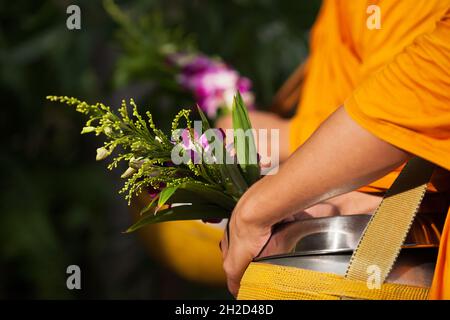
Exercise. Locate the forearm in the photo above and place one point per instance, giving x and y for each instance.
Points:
(340, 156)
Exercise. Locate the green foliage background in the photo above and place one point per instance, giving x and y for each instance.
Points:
(57, 205)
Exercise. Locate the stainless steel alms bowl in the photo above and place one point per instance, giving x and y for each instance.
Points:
(339, 234)
(326, 244)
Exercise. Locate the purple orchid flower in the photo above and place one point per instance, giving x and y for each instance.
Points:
(199, 144)
(212, 82)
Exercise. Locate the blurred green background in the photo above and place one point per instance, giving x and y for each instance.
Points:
(57, 205)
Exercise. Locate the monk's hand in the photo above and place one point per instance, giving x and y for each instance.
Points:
(243, 239)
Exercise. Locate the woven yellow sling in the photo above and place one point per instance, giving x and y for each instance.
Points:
(379, 246)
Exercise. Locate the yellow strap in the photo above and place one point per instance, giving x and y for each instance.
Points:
(272, 282)
(385, 233)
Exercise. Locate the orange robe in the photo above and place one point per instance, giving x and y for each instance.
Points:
(393, 81)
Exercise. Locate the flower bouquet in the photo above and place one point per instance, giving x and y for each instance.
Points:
(190, 175)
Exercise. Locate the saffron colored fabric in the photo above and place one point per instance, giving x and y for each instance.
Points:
(393, 81)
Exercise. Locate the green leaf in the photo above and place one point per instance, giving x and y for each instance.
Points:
(245, 150)
(205, 121)
(151, 205)
(165, 195)
(232, 178)
(236, 178)
(187, 193)
(191, 212)
(212, 195)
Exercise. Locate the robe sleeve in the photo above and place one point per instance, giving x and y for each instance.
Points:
(407, 102)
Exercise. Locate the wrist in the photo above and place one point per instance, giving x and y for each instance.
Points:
(249, 226)
(255, 208)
